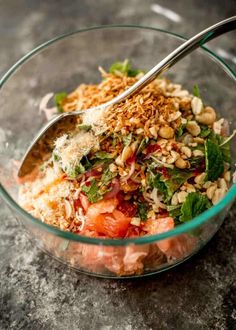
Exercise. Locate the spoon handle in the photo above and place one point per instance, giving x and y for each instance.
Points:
(187, 47)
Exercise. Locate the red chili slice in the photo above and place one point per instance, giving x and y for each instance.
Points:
(165, 172)
(87, 183)
(131, 159)
(163, 213)
(77, 204)
(151, 148)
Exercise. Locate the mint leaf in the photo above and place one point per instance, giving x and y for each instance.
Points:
(196, 91)
(142, 211)
(195, 204)
(214, 161)
(168, 186)
(223, 145)
(177, 179)
(58, 98)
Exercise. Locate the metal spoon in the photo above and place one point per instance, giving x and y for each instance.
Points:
(65, 122)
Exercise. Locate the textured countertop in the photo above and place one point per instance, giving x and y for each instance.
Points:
(37, 292)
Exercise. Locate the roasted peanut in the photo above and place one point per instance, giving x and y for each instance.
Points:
(197, 105)
(193, 128)
(187, 151)
(199, 179)
(218, 195)
(227, 176)
(181, 163)
(207, 117)
(166, 132)
(182, 196)
(174, 200)
(198, 153)
(211, 190)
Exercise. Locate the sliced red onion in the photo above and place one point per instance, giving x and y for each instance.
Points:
(49, 112)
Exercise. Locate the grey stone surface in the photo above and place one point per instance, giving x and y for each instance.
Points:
(37, 292)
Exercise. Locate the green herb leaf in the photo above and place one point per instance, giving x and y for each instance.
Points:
(127, 139)
(159, 183)
(107, 176)
(180, 130)
(214, 161)
(142, 145)
(174, 211)
(124, 68)
(195, 204)
(85, 128)
(75, 171)
(168, 186)
(102, 155)
(133, 73)
(223, 145)
(195, 161)
(196, 91)
(55, 157)
(142, 211)
(86, 163)
(58, 98)
(92, 192)
(205, 131)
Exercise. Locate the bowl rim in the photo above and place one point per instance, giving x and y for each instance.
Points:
(180, 229)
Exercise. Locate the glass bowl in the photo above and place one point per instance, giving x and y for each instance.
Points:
(60, 65)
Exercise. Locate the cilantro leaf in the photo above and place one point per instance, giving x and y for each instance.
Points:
(58, 98)
(124, 68)
(196, 91)
(195, 204)
(214, 161)
(142, 211)
(92, 191)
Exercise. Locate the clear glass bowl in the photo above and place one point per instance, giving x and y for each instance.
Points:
(60, 65)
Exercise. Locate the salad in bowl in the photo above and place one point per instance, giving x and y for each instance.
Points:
(139, 168)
